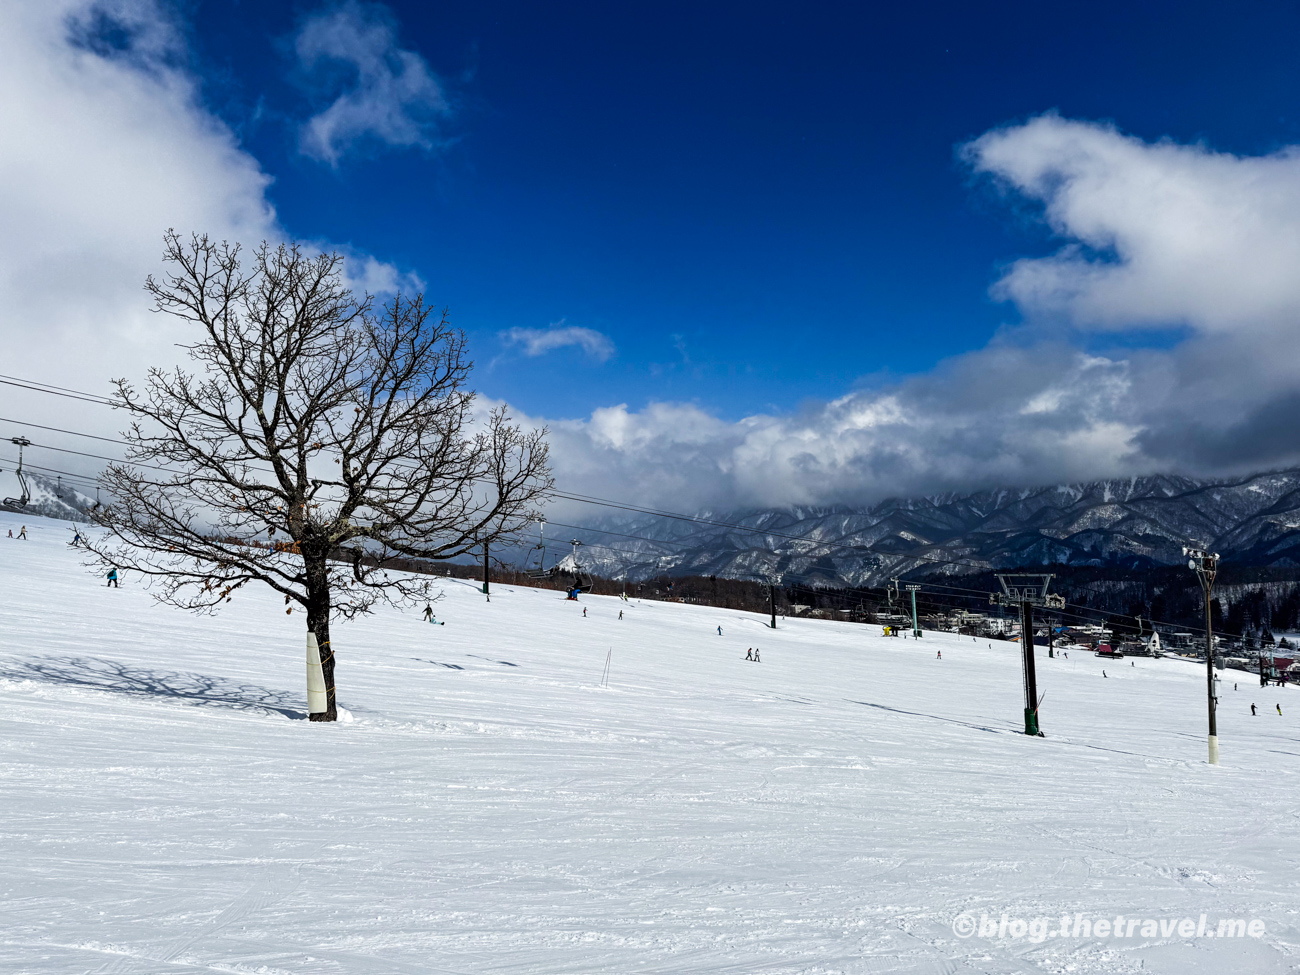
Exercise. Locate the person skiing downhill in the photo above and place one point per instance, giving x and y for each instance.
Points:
(719, 631)
(1252, 710)
(112, 578)
(1103, 673)
(938, 655)
(428, 612)
(620, 614)
(584, 612)
(76, 536)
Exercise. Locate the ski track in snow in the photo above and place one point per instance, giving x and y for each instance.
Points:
(489, 808)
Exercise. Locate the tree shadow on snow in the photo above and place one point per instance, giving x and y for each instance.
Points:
(204, 690)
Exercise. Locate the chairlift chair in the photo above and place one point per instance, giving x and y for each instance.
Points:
(538, 571)
(20, 502)
(582, 580)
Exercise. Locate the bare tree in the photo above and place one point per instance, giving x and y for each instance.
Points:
(321, 442)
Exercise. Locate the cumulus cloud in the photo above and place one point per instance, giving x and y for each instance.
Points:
(1154, 236)
(1160, 234)
(539, 341)
(1004, 416)
(379, 91)
(107, 144)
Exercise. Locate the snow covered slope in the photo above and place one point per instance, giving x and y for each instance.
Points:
(490, 808)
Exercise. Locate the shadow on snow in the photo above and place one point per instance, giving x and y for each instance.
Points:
(204, 690)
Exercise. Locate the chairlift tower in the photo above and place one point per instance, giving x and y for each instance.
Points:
(1206, 567)
(1028, 589)
(916, 626)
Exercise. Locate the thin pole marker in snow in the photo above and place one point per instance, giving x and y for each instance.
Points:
(604, 676)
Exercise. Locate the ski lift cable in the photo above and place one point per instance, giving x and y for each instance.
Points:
(564, 495)
(56, 391)
(73, 433)
(52, 470)
(81, 395)
(114, 460)
(1088, 612)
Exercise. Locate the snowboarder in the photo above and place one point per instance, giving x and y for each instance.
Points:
(749, 654)
(22, 532)
(757, 661)
(112, 578)
(428, 612)
(1252, 710)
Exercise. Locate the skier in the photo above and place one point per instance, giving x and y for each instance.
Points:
(1234, 686)
(620, 614)
(76, 536)
(1103, 673)
(428, 612)
(584, 612)
(1252, 710)
(757, 661)
(749, 654)
(938, 655)
(719, 631)
(22, 532)
(112, 578)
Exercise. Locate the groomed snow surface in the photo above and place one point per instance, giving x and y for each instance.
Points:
(491, 808)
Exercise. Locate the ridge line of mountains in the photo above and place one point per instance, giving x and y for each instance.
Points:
(1131, 523)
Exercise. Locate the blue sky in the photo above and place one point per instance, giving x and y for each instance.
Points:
(757, 203)
(731, 256)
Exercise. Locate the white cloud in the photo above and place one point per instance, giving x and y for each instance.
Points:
(539, 341)
(388, 94)
(103, 152)
(1158, 233)
(1002, 416)
(1154, 235)
(106, 146)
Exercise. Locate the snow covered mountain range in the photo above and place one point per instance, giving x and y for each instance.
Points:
(1133, 522)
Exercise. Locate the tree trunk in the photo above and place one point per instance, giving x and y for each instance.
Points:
(318, 622)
